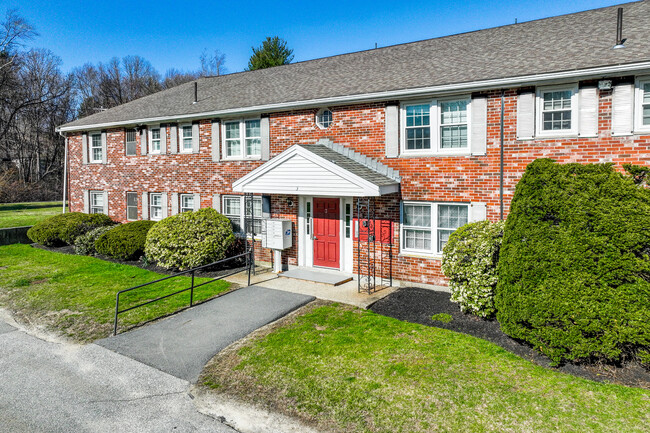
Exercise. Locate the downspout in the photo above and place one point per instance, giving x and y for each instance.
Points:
(65, 169)
(501, 156)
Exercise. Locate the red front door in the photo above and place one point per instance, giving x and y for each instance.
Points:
(326, 232)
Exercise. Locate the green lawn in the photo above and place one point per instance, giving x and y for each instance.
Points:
(75, 295)
(27, 214)
(351, 370)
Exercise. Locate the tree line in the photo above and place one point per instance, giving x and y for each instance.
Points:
(36, 97)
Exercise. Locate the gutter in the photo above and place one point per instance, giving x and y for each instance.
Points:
(65, 170)
(475, 86)
(501, 154)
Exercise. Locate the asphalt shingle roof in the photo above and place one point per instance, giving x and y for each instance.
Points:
(569, 42)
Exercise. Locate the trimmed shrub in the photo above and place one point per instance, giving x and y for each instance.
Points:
(124, 242)
(190, 239)
(85, 244)
(469, 260)
(63, 229)
(574, 267)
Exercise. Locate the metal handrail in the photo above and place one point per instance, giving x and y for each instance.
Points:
(249, 264)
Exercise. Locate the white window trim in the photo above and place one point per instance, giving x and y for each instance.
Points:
(91, 157)
(127, 205)
(151, 196)
(575, 112)
(90, 199)
(320, 113)
(126, 131)
(434, 227)
(180, 202)
(638, 105)
(181, 139)
(242, 140)
(435, 125)
(242, 210)
(150, 134)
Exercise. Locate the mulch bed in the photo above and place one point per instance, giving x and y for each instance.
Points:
(418, 305)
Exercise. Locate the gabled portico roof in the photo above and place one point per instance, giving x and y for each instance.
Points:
(316, 169)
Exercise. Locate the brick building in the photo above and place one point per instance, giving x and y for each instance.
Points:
(431, 134)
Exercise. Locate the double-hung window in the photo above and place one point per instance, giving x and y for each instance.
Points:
(242, 139)
(186, 137)
(96, 202)
(96, 151)
(187, 202)
(438, 126)
(642, 109)
(156, 144)
(130, 144)
(155, 206)
(557, 113)
(131, 206)
(426, 226)
(235, 208)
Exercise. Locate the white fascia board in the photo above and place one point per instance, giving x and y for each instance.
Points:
(536, 79)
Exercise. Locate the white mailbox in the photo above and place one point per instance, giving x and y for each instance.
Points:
(276, 234)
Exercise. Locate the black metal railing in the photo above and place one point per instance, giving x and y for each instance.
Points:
(192, 272)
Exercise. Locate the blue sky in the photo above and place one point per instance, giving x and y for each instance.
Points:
(173, 34)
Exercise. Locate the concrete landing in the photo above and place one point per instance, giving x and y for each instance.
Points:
(331, 278)
(182, 344)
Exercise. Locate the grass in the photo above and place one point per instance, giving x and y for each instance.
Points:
(74, 296)
(351, 370)
(442, 317)
(27, 214)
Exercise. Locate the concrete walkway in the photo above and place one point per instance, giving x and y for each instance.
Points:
(182, 344)
(60, 387)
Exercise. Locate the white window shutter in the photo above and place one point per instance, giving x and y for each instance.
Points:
(104, 148)
(526, 116)
(216, 125)
(197, 201)
(622, 109)
(391, 131)
(478, 212)
(173, 139)
(265, 133)
(174, 203)
(106, 202)
(144, 142)
(84, 148)
(163, 139)
(145, 205)
(478, 125)
(588, 117)
(164, 204)
(434, 119)
(86, 194)
(195, 138)
(216, 202)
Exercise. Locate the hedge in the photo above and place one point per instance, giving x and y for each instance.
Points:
(124, 242)
(85, 244)
(63, 229)
(190, 239)
(574, 268)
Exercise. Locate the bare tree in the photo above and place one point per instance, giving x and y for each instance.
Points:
(213, 63)
(174, 77)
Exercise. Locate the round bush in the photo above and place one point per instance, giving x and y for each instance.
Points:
(124, 242)
(85, 244)
(574, 266)
(63, 229)
(469, 260)
(190, 239)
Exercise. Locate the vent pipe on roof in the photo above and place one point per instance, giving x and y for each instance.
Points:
(619, 30)
(196, 92)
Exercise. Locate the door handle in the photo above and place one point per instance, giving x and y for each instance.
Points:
(315, 238)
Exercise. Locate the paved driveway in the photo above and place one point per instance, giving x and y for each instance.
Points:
(54, 387)
(182, 344)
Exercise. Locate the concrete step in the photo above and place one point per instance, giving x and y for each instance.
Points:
(323, 277)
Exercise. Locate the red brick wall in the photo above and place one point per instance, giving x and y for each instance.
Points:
(361, 127)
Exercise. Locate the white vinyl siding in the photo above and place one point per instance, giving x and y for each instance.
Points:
(155, 206)
(155, 145)
(187, 202)
(242, 139)
(96, 151)
(426, 226)
(557, 111)
(131, 206)
(186, 143)
(234, 208)
(436, 127)
(97, 202)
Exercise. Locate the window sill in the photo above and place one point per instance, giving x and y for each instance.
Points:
(416, 255)
(434, 154)
(238, 158)
(567, 134)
